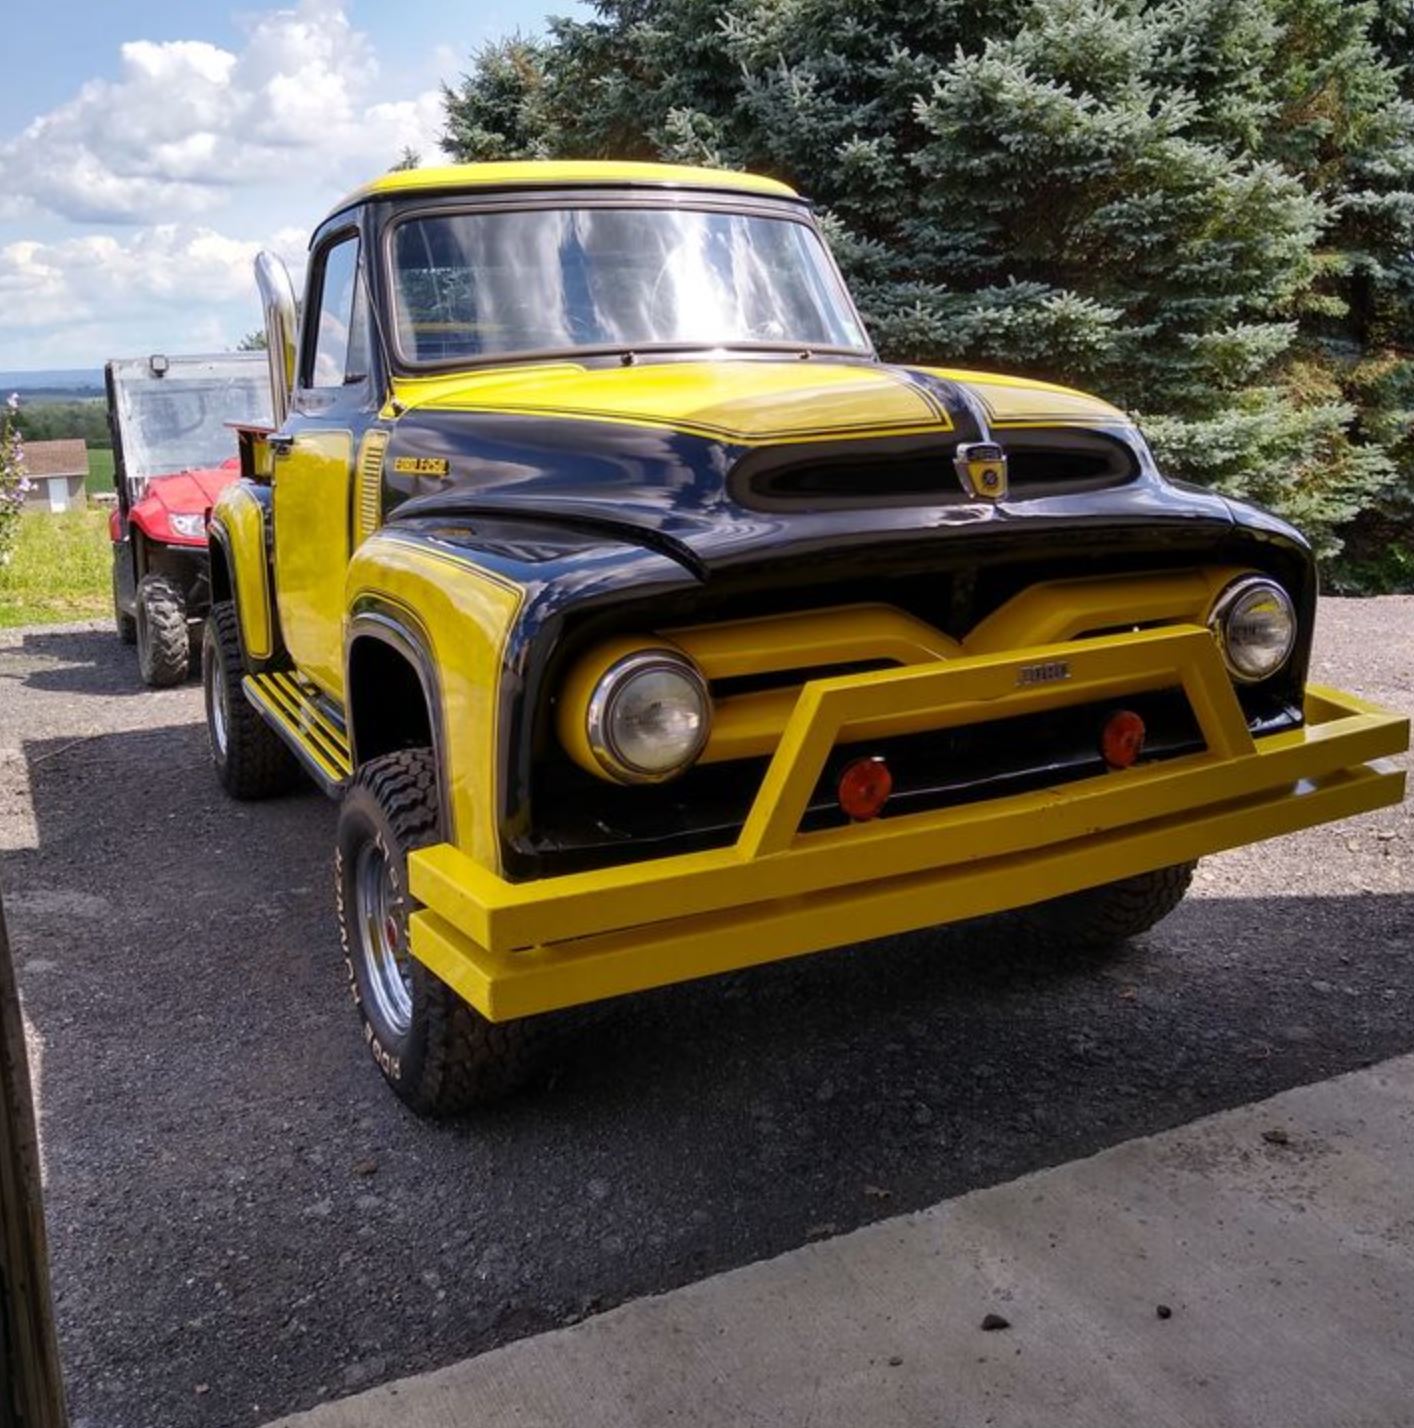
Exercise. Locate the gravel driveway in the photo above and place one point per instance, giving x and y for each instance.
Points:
(244, 1221)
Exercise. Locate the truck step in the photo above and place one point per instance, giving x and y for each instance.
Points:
(307, 723)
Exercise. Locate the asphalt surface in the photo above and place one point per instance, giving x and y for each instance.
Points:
(245, 1222)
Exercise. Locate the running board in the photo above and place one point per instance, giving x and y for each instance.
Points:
(303, 719)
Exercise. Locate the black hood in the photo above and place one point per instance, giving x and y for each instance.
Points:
(713, 505)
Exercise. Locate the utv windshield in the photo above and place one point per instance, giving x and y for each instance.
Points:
(176, 421)
(476, 285)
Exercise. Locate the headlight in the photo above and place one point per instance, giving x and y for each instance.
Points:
(1255, 626)
(649, 716)
(187, 525)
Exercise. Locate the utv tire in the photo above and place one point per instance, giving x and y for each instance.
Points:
(163, 645)
(440, 1055)
(1103, 917)
(250, 758)
(125, 624)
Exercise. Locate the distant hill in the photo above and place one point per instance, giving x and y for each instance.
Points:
(66, 382)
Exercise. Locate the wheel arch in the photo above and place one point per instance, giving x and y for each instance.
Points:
(392, 695)
(222, 587)
(238, 547)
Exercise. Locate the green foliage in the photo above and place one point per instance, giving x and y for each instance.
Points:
(499, 112)
(1203, 209)
(13, 482)
(60, 570)
(100, 470)
(53, 420)
(255, 341)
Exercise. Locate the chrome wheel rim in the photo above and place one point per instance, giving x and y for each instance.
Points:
(218, 707)
(379, 907)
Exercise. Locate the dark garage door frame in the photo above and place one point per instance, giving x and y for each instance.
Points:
(31, 1391)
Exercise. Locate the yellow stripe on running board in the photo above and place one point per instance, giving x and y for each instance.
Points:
(292, 712)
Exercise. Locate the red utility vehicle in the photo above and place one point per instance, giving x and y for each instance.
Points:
(173, 453)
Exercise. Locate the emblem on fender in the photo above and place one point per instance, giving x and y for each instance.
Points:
(421, 465)
(981, 467)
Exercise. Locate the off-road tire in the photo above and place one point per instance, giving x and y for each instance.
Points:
(255, 762)
(1103, 917)
(163, 644)
(450, 1058)
(124, 623)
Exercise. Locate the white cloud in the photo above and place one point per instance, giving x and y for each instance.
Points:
(150, 272)
(186, 122)
(129, 215)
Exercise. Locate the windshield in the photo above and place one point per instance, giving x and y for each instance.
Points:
(177, 422)
(472, 285)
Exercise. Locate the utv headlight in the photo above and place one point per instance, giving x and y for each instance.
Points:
(190, 525)
(1255, 625)
(649, 716)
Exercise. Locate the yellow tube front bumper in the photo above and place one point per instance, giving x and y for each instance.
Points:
(515, 949)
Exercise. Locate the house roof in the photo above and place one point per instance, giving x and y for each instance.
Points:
(56, 458)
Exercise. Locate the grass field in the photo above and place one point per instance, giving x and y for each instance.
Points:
(100, 470)
(61, 569)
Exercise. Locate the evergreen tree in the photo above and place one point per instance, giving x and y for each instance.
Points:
(1203, 209)
(499, 113)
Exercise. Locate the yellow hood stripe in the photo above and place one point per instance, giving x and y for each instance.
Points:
(1022, 401)
(743, 402)
(753, 403)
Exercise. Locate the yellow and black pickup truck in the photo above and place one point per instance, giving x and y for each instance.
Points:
(648, 626)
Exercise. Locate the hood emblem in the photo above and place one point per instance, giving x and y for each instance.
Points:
(981, 467)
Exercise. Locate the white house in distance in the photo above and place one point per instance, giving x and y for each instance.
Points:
(57, 471)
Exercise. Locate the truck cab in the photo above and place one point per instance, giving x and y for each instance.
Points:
(646, 625)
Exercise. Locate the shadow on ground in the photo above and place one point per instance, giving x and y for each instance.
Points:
(77, 662)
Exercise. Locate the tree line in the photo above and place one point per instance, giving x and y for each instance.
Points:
(1201, 209)
(48, 419)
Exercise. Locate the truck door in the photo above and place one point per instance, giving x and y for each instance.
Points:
(314, 463)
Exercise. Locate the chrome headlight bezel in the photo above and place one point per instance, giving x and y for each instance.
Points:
(1230, 604)
(613, 684)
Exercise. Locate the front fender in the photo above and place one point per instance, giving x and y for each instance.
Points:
(459, 614)
(240, 523)
(150, 517)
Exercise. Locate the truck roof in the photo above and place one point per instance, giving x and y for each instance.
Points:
(557, 173)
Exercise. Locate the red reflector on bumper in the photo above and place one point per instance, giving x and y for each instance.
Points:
(864, 788)
(1122, 739)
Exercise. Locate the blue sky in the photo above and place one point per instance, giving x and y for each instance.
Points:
(151, 149)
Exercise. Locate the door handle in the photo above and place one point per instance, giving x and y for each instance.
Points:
(280, 443)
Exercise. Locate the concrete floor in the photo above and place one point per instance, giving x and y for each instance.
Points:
(1280, 1238)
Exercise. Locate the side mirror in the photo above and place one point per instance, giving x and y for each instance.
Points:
(277, 299)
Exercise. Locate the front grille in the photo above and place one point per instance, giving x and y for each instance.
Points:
(982, 761)
(582, 822)
(1041, 462)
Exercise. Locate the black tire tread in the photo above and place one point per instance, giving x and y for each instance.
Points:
(1103, 916)
(164, 657)
(258, 764)
(466, 1061)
